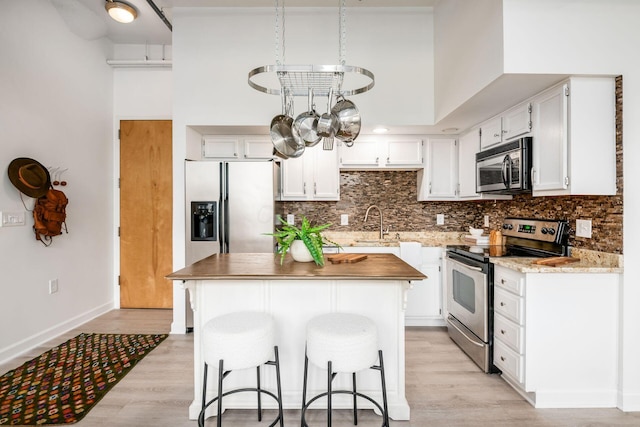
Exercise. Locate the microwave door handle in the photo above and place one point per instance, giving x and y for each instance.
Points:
(506, 171)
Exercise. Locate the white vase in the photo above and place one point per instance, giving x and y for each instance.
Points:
(300, 252)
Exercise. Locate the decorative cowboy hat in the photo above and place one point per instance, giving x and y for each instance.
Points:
(29, 176)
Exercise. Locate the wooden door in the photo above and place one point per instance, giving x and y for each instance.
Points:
(146, 205)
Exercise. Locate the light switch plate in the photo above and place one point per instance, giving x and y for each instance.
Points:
(12, 219)
(583, 228)
(290, 219)
(344, 219)
(440, 219)
(486, 220)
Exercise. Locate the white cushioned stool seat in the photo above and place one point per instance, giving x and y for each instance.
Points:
(349, 341)
(242, 340)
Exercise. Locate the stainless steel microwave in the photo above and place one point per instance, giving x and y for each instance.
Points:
(505, 169)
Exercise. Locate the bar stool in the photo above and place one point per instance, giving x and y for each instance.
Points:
(343, 343)
(239, 341)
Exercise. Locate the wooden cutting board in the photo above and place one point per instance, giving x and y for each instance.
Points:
(346, 258)
(556, 261)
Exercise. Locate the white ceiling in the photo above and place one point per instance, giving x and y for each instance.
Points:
(88, 18)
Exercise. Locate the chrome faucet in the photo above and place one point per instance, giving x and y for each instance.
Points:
(366, 215)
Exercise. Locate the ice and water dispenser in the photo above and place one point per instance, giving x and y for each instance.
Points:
(204, 221)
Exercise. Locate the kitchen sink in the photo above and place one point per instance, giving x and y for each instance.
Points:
(377, 240)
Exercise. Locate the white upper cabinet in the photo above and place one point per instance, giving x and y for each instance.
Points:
(491, 133)
(404, 152)
(438, 180)
(220, 147)
(574, 147)
(258, 148)
(370, 152)
(237, 147)
(511, 124)
(516, 122)
(364, 153)
(312, 176)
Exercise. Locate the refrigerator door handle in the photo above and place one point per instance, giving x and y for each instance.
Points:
(221, 213)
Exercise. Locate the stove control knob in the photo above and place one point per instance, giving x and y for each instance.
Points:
(551, 231)
(505, 226)
(544, 230)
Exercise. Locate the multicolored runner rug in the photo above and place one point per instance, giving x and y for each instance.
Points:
(63, 384)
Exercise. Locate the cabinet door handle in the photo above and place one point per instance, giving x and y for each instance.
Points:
(502, 331)
(503, 281)
(495, 135)
(304, 188)
(502, 358)
(502, 304)
(388, 162)
(315, 188)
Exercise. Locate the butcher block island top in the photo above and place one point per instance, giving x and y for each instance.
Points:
(266, 266)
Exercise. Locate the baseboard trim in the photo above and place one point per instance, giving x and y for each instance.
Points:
(33, 341)
(629, 402)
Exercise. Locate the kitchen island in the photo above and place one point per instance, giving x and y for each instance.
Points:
(293, 293)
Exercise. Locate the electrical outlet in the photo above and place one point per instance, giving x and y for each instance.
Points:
(290, 219)
(440, 219)
(486, 220)
(583, 228)
(344, 219)
(53, 286)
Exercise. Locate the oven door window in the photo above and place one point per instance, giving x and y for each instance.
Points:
(464, 291)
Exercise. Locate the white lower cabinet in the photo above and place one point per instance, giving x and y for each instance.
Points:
(424, 299)
(555, 336)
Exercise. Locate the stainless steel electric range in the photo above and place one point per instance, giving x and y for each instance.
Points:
(469, 278)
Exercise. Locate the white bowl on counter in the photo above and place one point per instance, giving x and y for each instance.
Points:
(476, 232)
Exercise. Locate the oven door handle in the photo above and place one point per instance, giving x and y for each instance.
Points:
(465, 265)
(462, 332)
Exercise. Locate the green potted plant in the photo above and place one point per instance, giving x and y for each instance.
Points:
(304, 242)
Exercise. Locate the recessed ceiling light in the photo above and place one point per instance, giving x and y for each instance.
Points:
(120, 11)
(450, 130)
(380, 130)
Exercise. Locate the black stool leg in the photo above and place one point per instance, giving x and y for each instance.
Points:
(355, 404)
(204, 396)
(329, 379)
(304, 387)
(259, 399)
(220, 378)
(384, 391)
(279, 386)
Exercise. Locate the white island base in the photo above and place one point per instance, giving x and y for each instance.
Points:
(293, 303)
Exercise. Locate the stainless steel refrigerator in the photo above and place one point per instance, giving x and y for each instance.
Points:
(229, 208)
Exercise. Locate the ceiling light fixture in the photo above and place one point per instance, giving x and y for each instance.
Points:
(120, 11)
(380, 130)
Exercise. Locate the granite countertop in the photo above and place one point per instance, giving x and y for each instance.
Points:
(590, 261)
(372, 239)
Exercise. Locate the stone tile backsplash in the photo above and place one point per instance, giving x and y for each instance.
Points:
(395, 193)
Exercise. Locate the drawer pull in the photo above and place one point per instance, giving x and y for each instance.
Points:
(502, 331)
(504, 282)
(502, 358)
(502, 304)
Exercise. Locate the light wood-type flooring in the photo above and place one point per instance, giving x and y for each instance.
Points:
(444, 388)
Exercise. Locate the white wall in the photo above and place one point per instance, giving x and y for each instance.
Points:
(468, 50)
(56, 107)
